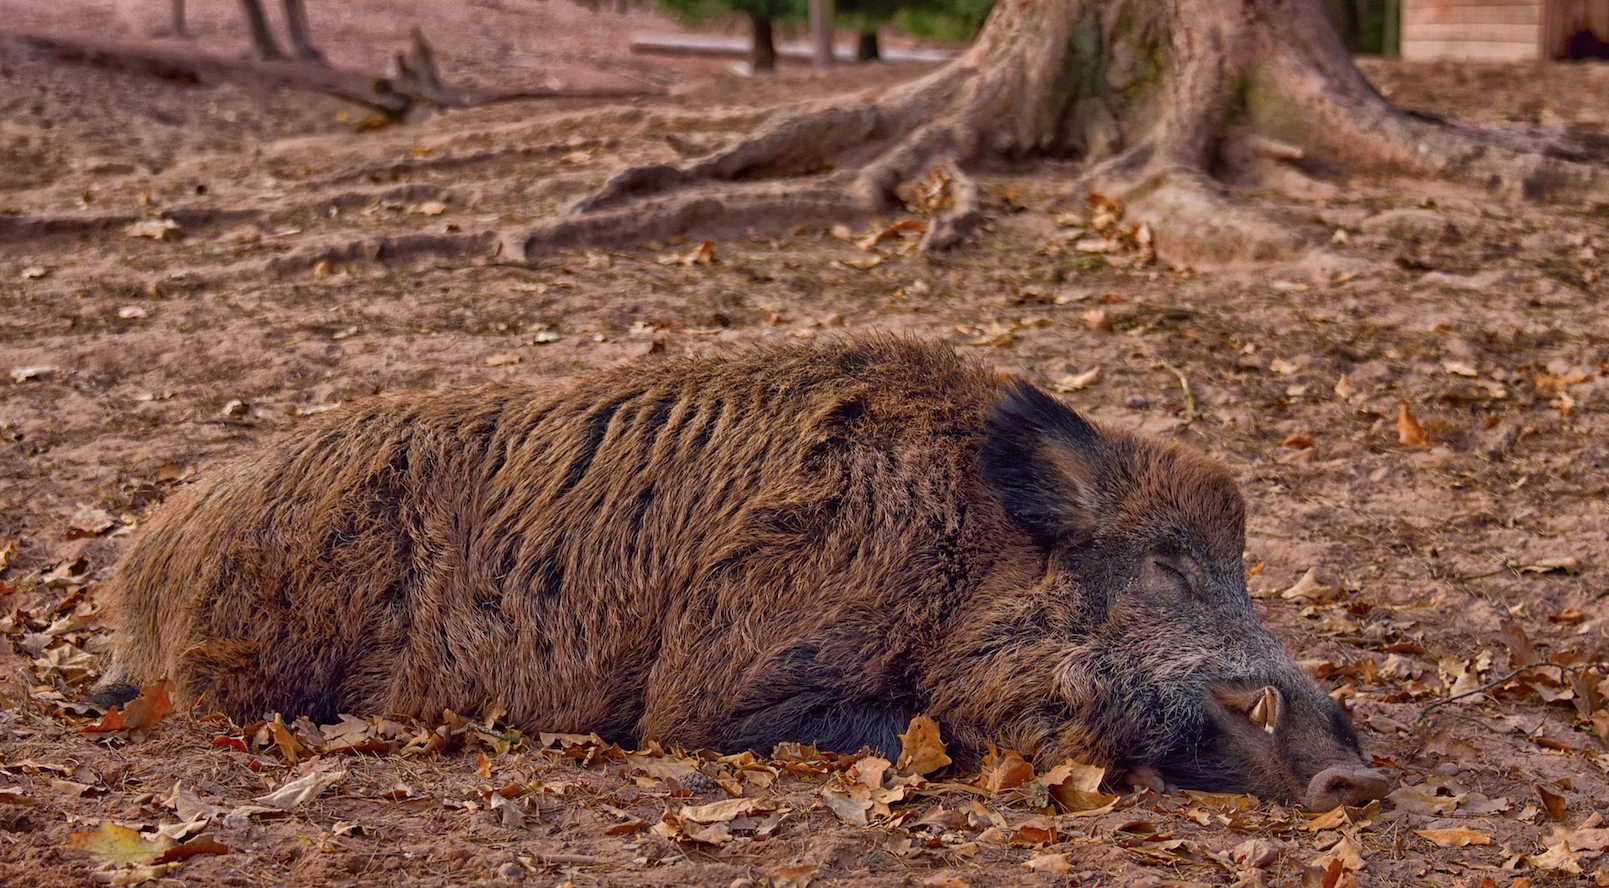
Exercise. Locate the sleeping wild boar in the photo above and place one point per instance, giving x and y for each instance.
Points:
(806, 543)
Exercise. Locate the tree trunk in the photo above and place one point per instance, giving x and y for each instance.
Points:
(301, 43)
(179, 29)
(1347, 17)
(763, 60)
(1167, 103)
(260, 38)
(867, 50)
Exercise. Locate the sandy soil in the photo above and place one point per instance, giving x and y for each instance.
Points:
(317, 265)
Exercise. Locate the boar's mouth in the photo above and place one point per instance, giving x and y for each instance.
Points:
(1294, 747)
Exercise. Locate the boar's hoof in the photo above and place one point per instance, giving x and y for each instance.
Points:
(1146, 778)
(1345, 785)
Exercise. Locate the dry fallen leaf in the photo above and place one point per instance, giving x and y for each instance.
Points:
(1456, 837)
(862, 263)
(1007, 770)
(1562, 564)
(1414, 800)
(1057, 864)
(1077, 381)
(849, 810)
(703, 254)
(430, 208)
(1097, 320)
(719, 812)
(510, 814)
(290, 747)
(155, 229)
(23, 374)
(301, 790)
(921, 749)
(151, 706)
(1344, 389)
(1077, 787)
(1557, 858)
(188, 805)
(1308, 588)
(118, 845)
(122, 846)
(89, 521)
(1409, 432)
(1588, 838)
(1256, 853)
(1553, 803)
(793, 876)
(1343, 852)
(869, 771)
(910, 227)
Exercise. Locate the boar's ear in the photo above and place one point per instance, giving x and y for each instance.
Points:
(1044, 463)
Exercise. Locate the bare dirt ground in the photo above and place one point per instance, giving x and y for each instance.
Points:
(312, 265)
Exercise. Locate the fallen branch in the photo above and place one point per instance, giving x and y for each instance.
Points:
(416, 84)
(1190, 414)
(1497, 682)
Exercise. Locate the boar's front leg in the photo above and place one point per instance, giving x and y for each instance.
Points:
(822, 691)
(822, 720)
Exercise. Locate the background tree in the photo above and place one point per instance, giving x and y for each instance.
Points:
(938, 19)
(957, 20)
(1163, 102)
(261, 39)
(1362, 24)
(763, 16)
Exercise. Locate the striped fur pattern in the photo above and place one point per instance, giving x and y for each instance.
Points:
(809, 543)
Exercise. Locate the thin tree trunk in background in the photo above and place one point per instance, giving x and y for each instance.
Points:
(260, 38)
(821, 31)
(301, 42)
(764, 58)
(867, 50)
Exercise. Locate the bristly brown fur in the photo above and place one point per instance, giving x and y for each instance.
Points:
(808, 543)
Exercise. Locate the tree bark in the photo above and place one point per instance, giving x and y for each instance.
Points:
(301, 42)
(260, 38)
(1167, 104)
(763, 60)
(866, 50)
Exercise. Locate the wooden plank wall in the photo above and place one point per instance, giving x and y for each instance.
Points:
(1562, 18)
(1496, 30)
(1471, 30)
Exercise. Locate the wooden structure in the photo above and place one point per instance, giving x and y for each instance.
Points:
(1497, 30)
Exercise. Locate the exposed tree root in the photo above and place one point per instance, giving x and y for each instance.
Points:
(387, 249)
(1167, 103)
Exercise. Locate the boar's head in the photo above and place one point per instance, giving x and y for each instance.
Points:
(1168, 668)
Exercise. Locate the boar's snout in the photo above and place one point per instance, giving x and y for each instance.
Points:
(1287, 740)
(1344, 785)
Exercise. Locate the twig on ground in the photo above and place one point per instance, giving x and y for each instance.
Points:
(1190, 413)
(1496, 682)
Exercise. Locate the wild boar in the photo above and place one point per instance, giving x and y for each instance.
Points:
(806, 543)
